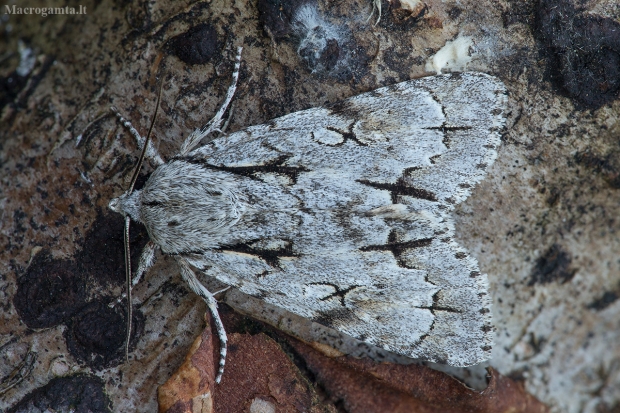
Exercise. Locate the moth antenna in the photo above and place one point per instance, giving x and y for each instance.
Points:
(128, 285)
(146, 143)
(128, 220)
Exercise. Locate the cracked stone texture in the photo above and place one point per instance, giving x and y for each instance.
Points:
(543, 224)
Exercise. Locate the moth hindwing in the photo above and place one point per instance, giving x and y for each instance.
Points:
(342, 214)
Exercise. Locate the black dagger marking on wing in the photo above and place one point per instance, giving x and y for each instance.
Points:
(277, 165)
(397, 248)
(270, 256)
(400, 188)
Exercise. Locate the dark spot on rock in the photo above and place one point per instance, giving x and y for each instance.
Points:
(63, 220)
(50, 292)
(196, 46)
(604, 301)
(554, 196)
(454, 13)
(319, 51)
(10, 86)
(34, 225)
(18, 220)
(233, 348)
(96, 335)
(460, 255)
(80, 393)
(398, 62)
(583, 50)
(276, 16)
(44, 194)
(607, 165)
(103, 254)
(523, 12)
(86, 201)
(554, 265)
(329, 56)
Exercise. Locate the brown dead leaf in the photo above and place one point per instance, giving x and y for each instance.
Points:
(366, 386)
(189, 388)
(263, 376)
(258, 378)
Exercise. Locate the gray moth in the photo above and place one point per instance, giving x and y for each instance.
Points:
(340, 214)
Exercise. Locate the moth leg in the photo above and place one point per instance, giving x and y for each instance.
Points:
(151, 152)
(215, 123)
(230, 114)
(221, 291)
(190, 278)
(147, 259)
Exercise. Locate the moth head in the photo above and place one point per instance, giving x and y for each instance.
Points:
(115, 205)
(127, 204)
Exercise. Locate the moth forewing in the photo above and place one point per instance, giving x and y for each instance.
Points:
(350, 223)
